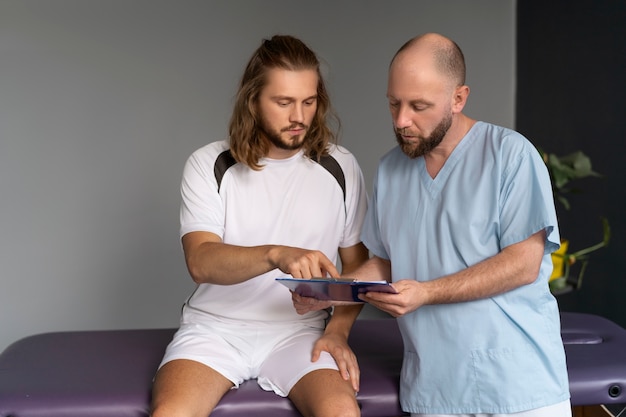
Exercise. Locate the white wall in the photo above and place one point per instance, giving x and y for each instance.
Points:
(102, 101)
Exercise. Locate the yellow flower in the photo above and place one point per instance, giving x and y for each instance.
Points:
(558, 261)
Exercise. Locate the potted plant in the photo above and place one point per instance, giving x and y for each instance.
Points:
(564, 169)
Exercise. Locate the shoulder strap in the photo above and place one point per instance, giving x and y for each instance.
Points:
(331, 165)
(224, 161)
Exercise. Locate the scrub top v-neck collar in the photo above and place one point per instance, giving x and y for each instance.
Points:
(435, 185)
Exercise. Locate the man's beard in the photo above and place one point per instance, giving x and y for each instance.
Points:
(275, 137)
(425, 143)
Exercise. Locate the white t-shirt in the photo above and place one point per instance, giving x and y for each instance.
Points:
(293, 202)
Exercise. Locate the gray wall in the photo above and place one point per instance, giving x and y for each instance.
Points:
(102, 101)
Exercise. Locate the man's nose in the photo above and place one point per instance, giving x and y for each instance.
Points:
(297, 113)
(402, 119)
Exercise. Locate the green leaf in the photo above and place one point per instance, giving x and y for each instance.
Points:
(579, 164)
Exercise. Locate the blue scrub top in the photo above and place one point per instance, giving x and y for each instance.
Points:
(502, 354)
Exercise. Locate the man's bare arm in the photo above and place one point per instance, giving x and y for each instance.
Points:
(209, 260)
(335, 338)
(514, 266)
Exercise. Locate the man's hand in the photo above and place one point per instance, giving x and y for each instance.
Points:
(409, 297)
(302, 263)
(304, 305)
(346, 360)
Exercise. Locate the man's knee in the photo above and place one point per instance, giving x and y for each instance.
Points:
(324, 393)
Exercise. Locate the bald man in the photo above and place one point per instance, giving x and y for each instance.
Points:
(462, 222)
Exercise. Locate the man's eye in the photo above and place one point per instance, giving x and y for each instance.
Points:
(283, 103)
(309, 102)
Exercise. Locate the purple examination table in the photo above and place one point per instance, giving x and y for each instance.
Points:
(109, 373)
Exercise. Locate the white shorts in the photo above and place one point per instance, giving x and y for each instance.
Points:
(276, 355)
(562, 409)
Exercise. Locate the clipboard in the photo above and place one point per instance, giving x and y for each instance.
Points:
(334, 289)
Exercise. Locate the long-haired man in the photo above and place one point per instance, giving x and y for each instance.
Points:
(278, 198)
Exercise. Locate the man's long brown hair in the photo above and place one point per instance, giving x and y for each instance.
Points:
(284, 52)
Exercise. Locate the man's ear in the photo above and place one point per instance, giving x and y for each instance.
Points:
(460, 98)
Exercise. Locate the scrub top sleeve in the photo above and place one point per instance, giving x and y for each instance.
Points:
(527, 203)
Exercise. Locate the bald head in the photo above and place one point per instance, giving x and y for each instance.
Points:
(432, 49)
(427, 93)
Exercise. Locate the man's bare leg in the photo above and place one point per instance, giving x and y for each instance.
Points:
(187, 388)
(324, 393)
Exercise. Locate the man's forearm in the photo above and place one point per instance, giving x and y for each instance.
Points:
(223, 264)
(374, 269)
(513, 267)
